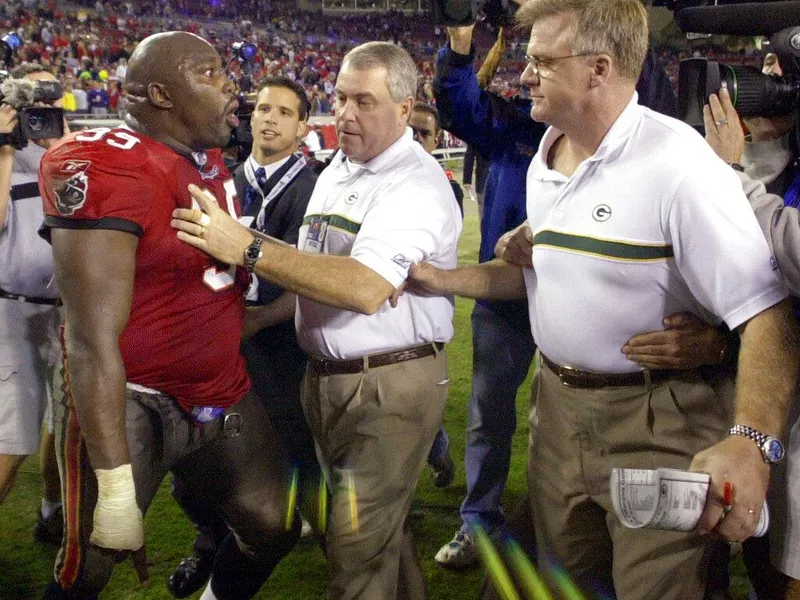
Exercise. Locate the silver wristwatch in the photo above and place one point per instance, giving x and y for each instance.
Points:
(251, 255)
(772, 449)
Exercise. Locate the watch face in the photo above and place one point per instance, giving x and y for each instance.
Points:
(253, 251)
(773, 450)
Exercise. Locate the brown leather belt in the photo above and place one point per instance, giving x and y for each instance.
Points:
(327, 366)
(575, 378)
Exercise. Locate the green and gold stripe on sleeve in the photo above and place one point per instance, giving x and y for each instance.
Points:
(335, 221)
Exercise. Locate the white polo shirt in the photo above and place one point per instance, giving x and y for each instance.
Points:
(389, 213)
(652, 224)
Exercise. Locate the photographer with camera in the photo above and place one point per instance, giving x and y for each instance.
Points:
(473, 161)
(771, 181)
(29, 316)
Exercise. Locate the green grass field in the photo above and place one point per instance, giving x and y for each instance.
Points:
(26, 567)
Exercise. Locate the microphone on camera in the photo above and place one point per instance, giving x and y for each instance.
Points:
(748, 18)
(17, 93)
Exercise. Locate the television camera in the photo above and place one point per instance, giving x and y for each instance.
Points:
(34, 122)
(752, 92)
(455, 13)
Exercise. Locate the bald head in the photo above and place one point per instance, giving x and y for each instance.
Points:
(163, 57)
(179, 93)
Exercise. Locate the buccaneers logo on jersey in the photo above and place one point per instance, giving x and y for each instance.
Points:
(71, 193)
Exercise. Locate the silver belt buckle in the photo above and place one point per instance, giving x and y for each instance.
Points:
(571, 372)
(404, 355)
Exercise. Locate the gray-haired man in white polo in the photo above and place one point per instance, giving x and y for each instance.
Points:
(377, 381)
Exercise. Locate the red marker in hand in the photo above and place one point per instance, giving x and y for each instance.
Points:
(727, 497)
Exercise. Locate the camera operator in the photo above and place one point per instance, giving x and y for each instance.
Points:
(771, 180)
(29, 319)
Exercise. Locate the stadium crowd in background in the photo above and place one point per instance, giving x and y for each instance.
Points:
(92, 42)
(363, 368)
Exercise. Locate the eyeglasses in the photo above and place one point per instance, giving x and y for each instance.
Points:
(537, 64)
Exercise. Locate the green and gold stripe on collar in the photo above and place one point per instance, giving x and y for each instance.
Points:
(625, 251)
(335, 221)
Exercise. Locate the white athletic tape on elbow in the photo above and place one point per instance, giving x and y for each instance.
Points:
(117, 518)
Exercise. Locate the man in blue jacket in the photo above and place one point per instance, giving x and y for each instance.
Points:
(502, 343)
(503, 347)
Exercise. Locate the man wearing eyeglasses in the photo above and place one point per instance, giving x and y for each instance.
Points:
(632, 219)
(503, 348)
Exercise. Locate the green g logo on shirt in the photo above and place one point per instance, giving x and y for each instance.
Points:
(601, 213)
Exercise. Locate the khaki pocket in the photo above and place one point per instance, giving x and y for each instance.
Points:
(689, 412)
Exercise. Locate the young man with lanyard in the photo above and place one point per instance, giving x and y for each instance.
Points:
(376, 383)
(275, 184)
(154, 378)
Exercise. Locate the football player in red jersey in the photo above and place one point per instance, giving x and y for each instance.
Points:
(154, 378)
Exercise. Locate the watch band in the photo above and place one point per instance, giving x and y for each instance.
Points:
(772, 450)
(748, 432)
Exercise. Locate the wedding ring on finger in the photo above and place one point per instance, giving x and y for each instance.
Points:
(202, 231)
(721, 123)
(204, 220)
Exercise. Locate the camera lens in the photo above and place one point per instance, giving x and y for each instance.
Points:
(753, 93)
(757, 95)
(35, 123)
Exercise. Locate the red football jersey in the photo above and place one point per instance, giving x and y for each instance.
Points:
(182, 337)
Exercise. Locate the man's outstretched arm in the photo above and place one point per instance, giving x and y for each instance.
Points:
(339, 281)
(496, 279)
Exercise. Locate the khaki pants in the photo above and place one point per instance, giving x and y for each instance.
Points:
(578, 436)
(373, 432)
